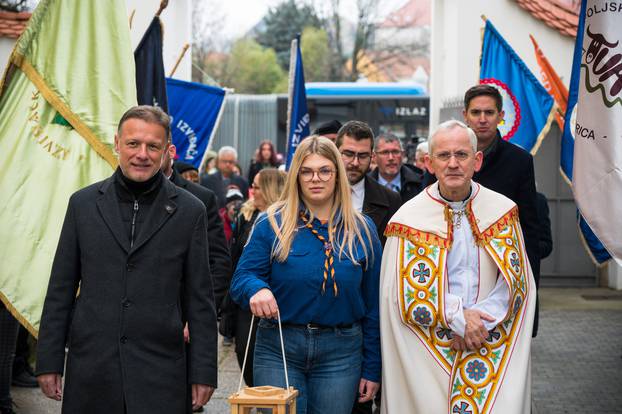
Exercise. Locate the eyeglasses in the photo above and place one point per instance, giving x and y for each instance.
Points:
(386, 153)
(323, 174)
(446, 155)
(350, 156)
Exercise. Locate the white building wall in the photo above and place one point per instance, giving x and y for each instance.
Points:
(177, 23)
(457, 30)
(6, 47)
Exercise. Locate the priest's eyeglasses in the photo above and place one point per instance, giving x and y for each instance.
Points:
(350, 155)
(446, 155)
(323, 174)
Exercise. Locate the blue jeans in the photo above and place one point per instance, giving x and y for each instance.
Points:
(324, 365)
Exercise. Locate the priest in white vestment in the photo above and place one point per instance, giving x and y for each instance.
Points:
(457, 294)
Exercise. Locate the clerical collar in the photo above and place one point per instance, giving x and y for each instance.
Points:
(457, 205)
(137, 188)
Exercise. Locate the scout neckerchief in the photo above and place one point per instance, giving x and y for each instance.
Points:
(328, 252)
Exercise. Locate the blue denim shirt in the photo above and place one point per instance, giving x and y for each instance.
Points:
(296, 284)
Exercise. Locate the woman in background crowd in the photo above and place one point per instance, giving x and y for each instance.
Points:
(265, 157)
(313, 260)
(267, 188)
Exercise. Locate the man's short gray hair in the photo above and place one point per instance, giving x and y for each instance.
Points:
(388, 138)
(227, 150)
(423, 147)
(453, 124)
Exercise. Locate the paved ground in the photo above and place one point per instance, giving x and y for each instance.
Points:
(577, 359)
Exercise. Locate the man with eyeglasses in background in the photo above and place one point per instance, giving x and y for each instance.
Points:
(391, 172)
(355, 141)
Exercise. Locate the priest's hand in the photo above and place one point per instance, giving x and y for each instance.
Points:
(263, 304)
(367, 390)
(475, 333)
(51, 385)
(201, 394)
(457, 343)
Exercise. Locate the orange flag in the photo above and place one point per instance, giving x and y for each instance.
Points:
(552, 83)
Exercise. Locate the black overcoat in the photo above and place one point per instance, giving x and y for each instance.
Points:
(380, 204)
(125, 338)
(219, 256)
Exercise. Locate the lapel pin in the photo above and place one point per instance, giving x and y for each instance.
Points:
(169, 209)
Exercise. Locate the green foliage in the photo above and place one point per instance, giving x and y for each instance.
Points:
(250, 68)
(282, 23)
(315, 54)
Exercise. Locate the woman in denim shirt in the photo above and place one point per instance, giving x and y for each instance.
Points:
(315, 261)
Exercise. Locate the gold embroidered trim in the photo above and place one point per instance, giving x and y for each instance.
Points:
(22, 320)
(416, 236)
(482, 239)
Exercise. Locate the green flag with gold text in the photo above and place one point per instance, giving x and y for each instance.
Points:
(69, 80)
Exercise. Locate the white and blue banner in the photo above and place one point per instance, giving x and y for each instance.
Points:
(195, 110)
(297, 112)
(595, 248)
(595, 122)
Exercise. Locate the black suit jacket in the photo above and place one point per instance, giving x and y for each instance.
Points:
(214, 182)
(219, 258)
(411, 181)
(126, 335)
(380, 204)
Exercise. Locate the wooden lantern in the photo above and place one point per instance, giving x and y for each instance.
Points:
(279, 400)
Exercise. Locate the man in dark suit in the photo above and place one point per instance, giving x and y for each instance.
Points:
(136, 248)
(355, 141)
(223, 179)
(219, 258)
(507, 168)
(391, 172)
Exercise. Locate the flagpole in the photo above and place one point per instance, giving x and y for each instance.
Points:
(290, 98)
(290, 87)
(181, 56)
(216, 124)
(163, 5)
(132, 17)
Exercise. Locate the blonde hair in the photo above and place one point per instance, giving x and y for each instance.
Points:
(344, 229)
(271, 182)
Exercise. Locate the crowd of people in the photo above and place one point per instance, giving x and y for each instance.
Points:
(400, 288)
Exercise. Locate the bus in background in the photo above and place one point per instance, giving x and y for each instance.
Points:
(397, 108)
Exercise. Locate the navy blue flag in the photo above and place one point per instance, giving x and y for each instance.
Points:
(150, 77)
(594, 246)
(195, 110)
(529, 109)
(298, 114)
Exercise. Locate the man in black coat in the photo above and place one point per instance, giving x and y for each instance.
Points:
(355, 141)
(135, 248)
(391, 172)
(220, 181)
(219, 257)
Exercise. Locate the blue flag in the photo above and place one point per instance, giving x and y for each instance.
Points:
(298, 114)
(529, 109)
(195, 111)
(594, 246)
